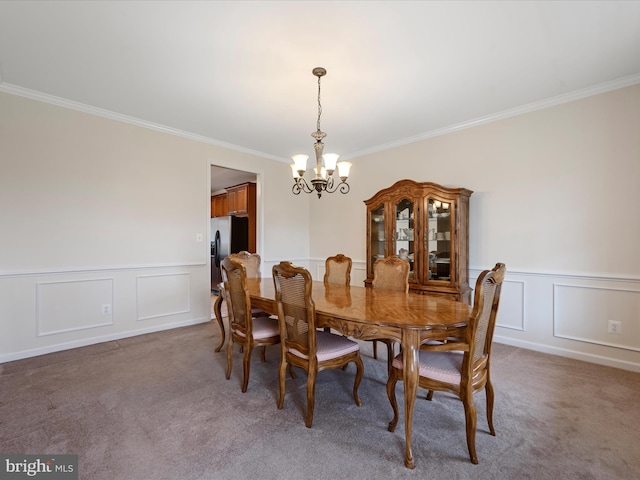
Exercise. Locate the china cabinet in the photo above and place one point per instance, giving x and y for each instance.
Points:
(428, 225)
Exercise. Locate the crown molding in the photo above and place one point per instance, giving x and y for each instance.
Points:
(530, 107)
(81, 107)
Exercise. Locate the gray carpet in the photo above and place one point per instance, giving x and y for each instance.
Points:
(158, 407)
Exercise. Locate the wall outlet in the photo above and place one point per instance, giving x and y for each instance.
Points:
(106, 309)
(615, 327)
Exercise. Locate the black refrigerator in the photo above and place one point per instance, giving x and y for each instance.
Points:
(228, 235)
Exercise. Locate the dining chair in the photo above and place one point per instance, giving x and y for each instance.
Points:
(246, 330)
(461, 367)
(389, 273)
(251, 262)
(338, 269)
(302, 345)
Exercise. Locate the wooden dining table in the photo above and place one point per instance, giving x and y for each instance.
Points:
(368, 314)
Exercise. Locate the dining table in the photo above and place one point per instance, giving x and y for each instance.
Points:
(365, 313)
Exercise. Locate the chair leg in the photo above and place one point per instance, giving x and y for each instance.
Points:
(246, 366)
(391, 393)
(311, 393)
(375, 349)
(229, 356)
(470, 420)
(282, 372)
(217, 309)
(430, 395)
(356, 383)
(263, 356)
(488, 388)
(389, 356)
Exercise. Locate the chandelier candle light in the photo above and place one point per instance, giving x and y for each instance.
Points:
(323, 181)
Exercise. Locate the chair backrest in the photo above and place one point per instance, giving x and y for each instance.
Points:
(296, 310)
(391, 273)
(236, 295)
(251, 262)
(483, 317)
(338, 270)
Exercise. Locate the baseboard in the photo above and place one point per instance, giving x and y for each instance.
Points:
(100, 339)
(562, 352)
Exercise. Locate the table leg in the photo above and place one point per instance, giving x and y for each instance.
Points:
(217, 309)
(410, 346)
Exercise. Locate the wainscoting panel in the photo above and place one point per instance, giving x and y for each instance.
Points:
(162, 295)
(66, 306)
(358, 273)
(512, 305)
(320, 271)
(583, 313)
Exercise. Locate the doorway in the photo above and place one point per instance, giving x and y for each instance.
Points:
(221, 179)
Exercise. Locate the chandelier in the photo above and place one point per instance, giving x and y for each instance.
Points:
(324, 179)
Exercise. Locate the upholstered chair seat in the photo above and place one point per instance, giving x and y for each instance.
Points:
(330, 346)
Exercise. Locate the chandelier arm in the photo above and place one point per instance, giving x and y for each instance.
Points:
(301, 185)
(330, 185)
(342, 187)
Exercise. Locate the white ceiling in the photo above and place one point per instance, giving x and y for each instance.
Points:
(222, 178)
(238, 73)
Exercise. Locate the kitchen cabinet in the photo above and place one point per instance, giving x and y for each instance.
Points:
(219, 205)
(242, 203)
(241, 198)
(239, 201)
(428, 225)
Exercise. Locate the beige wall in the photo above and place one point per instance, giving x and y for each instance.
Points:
(556, 197)
(108, 211)
(555, 190)
(102, 212)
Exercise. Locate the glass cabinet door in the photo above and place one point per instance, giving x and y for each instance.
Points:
(438, 233)
(377, 235)
(404, 233)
